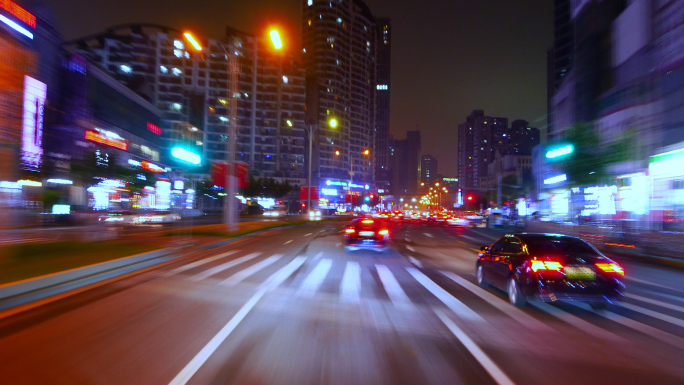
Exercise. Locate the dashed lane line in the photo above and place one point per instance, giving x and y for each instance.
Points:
(410, 248)
(288, 241)
(200, 262)
(306, 235)
(450, 301)
(247, 272)
(222, 267)
(492, 368)
(416, 262)
(392, 287)
(428, 235)
(273, 281)
(510, 310)
(314, 280)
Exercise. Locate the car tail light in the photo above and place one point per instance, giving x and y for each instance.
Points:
(383, 232)
(611, 268)
(545, 265)
(367, 221)
(350, 231)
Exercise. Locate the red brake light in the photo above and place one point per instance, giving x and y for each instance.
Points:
(350, 231)
(383, 232)
(545, 265)
(611, 268)
(367, 221)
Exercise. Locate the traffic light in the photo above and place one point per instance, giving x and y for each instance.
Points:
(470, 198)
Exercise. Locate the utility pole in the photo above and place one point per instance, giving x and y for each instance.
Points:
(229, 207)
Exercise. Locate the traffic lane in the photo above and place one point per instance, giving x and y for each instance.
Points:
(334, 337)
(568, 338)
(130, 331)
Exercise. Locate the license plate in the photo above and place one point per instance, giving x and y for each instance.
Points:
(580, 272)
(366, 233)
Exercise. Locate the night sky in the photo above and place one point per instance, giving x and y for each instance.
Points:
(448, 57)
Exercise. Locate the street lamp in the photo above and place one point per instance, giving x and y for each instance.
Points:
(332, 123)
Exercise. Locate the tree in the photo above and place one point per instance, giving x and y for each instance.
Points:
(266, 188)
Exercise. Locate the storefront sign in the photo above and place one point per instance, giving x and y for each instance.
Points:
(150, 166)
(106, 140)
(18, 12)
(35, 93)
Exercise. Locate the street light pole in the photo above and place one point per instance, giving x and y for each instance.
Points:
(229, 207)
(308, 200)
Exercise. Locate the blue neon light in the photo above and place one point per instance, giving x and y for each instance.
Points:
(16, 27)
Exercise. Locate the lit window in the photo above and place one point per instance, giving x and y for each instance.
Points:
(178, 44)
(304, 50)
(339, 19)
(285, 79)
(126, 69)
(163, 69)
(176, 106)
(309, 21)
(187, 55)
(176, 71)
(310, 2)
(177, 53)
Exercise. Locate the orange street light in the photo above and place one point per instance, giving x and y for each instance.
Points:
(275, 38)
(192, 41)
(366, 152)
(337, 152)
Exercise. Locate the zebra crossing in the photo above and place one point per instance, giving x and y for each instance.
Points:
(659, 316)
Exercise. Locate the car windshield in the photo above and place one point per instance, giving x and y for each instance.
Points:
(559, 245)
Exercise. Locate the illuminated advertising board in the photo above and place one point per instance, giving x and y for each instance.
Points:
(106, 140)
(35, 93)
(18, 12)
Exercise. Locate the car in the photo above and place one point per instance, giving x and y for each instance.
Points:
(550, 267)
(458, 221)
(367, 233)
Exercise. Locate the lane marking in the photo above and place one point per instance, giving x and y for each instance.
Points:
(249, 271)
(469, 237)
(461, 242)
(654, 314)
(428, 235)
(224, 266)
(288, 241)
(351, 282)
(655, 302)
(668, 338)
(200, 262)
(415, 262)
(410, 248)
(492, 369)
(476, 250)
(652, 284)
(318, 256)
(578, 322)
(306, 235)
(510, 310)
(273, 281)
(392, 287)
(450, 301)
(315, 279)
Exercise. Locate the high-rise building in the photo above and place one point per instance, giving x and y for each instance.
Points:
(382, 121)
(406, 156)
(339, 50)
(192, 87)
(428, 169)
(521, 138)
(478, 138)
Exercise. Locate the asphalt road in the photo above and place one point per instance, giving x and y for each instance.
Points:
(291, 307)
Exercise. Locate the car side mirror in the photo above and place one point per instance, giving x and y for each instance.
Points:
(484, 248)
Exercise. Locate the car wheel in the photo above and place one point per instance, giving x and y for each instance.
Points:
(479, 276)
(515, 296)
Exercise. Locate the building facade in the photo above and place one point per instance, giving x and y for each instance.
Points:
(192, 87)
(406, 162)
(382, 122)
(339, 50)
(428, 169)
(478, 139)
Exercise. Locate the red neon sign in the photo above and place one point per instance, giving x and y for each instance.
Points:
(151, 126)
(99, 138)
(18, 12)
(151, 166)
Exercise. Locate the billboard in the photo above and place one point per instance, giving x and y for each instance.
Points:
(218, 174)
(35, 93)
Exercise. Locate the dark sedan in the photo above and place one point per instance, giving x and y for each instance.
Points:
(549, 267)
(367, 233)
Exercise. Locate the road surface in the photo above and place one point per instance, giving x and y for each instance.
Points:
(291, 307)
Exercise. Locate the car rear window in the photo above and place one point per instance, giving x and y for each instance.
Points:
(559, 245)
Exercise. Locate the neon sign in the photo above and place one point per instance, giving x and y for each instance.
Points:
(35, 93)
(151, 166)
(154, 128)
(183, 154)
(103, 139)
(18, 12)
(329, 191)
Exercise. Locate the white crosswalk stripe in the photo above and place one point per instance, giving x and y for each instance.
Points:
(224, 266)
(200, 262)
(654, 314)
(315, 279)
(249, 271)
(578, 322)
(392, 287)
(351, 283)
(655, 302)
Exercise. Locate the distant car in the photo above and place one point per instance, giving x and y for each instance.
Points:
(367, 233)
(117, 218)
(550, 267)
(315, 214)
(458, 221)
(155, 217)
